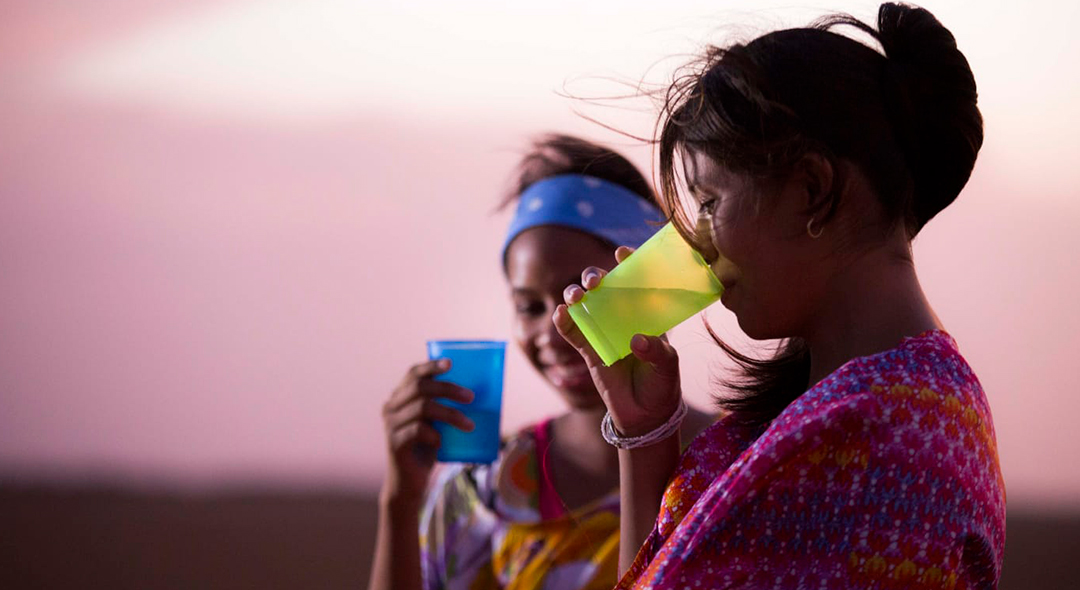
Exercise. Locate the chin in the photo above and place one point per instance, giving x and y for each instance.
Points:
(579, 400)
(579, 396)
(754, 329)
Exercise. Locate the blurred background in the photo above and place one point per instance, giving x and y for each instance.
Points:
(227, 227)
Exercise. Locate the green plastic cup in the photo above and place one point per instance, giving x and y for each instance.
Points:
(659, 286)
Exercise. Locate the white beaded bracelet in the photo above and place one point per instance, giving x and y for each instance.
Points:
(607, 428)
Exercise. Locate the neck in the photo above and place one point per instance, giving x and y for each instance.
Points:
(579, 431)
(873, 303)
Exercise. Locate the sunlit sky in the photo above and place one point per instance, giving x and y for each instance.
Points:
(327, 59)
(227, 227)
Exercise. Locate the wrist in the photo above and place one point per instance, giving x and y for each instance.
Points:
(639, 429)
(398, 499)
(646, 437)
(663, 450)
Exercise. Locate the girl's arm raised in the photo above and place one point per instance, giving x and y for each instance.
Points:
(642, 392)
(411, 444)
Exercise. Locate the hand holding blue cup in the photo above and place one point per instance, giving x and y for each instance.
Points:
(477, 365)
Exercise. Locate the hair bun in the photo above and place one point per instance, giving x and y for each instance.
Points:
(912, 34)
(933, 101)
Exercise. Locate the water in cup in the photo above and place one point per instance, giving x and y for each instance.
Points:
(476, 365)
(658, 287)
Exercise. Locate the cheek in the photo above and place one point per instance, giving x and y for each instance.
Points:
(731, 239)
(523, 331)
(786, 285)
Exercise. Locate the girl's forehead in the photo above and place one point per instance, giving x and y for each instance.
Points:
(700, 167)
(551, 253)
(705, 173)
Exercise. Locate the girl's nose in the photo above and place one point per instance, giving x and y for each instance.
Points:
(547, 335)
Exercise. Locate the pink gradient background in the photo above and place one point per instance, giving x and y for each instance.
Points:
(217, 258)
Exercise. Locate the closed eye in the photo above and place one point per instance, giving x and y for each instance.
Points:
(706, 201)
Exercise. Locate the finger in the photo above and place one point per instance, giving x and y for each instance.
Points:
(657, 352)
(573, 294)
(570, 332)
(426, 453)
(591, 277)
(433, 410)
(426, 388)
(622, 253)
(397, 418)
(407, 390)
(426, 410)
(429, 369)
(443, 389)
(415, 433)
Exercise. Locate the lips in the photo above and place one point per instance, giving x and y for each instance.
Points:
(726, 272)
(725, 296)
(728, 280)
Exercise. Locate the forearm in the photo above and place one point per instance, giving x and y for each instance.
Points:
(396, 565)
(643, 476)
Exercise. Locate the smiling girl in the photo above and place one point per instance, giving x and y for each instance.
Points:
(545, 514)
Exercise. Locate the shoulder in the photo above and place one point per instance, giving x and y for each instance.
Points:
(695, 423)
(918, 396)
(915, 376)
(916, 409)
(873, 454)
(705, 459)
(907, 429)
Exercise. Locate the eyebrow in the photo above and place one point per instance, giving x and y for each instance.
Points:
(696, 190)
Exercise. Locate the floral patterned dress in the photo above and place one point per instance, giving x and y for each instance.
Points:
(883, 475)
(502, 525)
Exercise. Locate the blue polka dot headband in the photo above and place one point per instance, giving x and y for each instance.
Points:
(594, 206)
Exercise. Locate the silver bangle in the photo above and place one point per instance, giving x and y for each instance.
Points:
(607, 429)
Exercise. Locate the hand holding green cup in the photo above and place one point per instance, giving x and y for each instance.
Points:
(658, 287)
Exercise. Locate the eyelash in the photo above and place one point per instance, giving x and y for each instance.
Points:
(707, 206)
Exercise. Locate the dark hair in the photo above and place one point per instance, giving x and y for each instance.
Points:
(555, 154)
(907, 117)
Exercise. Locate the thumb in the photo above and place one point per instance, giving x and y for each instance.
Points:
(657, 352)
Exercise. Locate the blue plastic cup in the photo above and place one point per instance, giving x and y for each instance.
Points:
(476, 365)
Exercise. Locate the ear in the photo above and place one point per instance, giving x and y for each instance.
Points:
(817, 181)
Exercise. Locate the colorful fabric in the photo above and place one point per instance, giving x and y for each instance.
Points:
(481, 528)
(573, 200)
(884, 475)
(550, 504)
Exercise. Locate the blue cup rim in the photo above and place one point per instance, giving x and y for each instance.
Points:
(470, 344)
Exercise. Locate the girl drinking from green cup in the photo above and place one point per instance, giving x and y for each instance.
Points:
(861, 455)
(546, 512)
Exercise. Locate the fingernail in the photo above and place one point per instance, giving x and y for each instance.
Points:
(640, 343)
(444, 364)
(590, 276)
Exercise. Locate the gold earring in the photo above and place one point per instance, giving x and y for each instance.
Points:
(810, 229)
